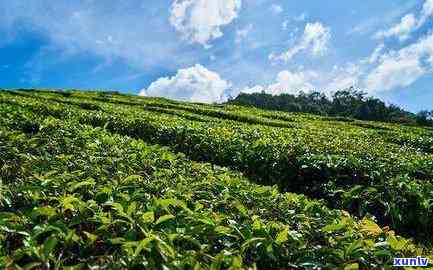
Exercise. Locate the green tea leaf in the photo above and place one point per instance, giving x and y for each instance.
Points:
(282, 236)
(164, 218)
(148, 217)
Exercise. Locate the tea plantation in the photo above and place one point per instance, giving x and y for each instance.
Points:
(99, 180)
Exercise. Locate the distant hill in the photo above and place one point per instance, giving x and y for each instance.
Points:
(349, 103)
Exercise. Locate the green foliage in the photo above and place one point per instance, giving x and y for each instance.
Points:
(78, 191)
(344, 103)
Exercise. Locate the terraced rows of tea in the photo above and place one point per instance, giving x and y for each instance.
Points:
(98, 179)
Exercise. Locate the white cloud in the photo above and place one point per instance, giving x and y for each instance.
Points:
(315, 40)
(327, 82)
(373, 23)
(196, 84)
(426, 13)
(377, 53)
(277, 9)
(344, 77)
(386, 70)
(115, 31)
(394, 72)
(290, 82)
(286, 82)
(293, 20)
(402, 30)
(300, 18)
(382, 70)
(408, 24)
(253, 89)
(241, 34)
(403, 67)
(285, 24)
(317, 36)
(200, 21)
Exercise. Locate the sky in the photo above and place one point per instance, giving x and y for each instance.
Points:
(208, 51)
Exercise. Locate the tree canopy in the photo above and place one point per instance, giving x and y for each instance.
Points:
(349, 103)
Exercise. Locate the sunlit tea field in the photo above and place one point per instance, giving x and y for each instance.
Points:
(100, 180)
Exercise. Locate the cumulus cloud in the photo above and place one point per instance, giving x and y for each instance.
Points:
(315, 41)
(200, 21)
(376, 55)
(383, 70)
(408, 24)
(196, 84)
(402, 30)
(403, 67)
(426, 12)
(253, 89)
(386, 70)
(344, 77)
(394, 72)
(290, 82)
(286, 82)
(327, 82)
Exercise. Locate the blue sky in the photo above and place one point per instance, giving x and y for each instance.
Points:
(205, 51)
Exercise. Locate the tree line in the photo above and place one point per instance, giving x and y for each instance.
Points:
(350, 103)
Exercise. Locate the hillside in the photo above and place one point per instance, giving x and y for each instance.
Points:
(99, 178)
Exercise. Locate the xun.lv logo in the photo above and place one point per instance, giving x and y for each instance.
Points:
(418, 261)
